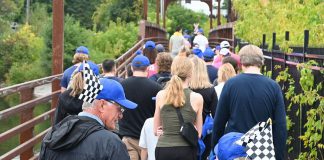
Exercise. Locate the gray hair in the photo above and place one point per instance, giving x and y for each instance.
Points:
(251, 55)
(87, 105)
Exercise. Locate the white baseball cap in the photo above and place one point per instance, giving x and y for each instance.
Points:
(225, 44)
(224, 51)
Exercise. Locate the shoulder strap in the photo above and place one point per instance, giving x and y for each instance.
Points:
(180, 116)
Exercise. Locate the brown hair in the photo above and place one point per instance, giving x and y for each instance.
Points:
(184, 51)
(181, 69)
(199, 78)
(164, 61)
(76, 84)
(225, 72)
(79, 57)
(150, 54)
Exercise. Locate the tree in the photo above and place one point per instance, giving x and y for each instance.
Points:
(183, 17)
(265, 17)
(21, 48)
(110, 10)
(82, 10)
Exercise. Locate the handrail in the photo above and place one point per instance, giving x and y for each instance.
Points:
(27, 105)
(23, 147)
(30, 84)
(24, 126)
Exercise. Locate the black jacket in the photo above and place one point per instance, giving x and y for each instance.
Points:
(67, 105)
(82, 138)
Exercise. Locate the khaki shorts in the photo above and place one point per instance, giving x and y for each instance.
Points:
(134, 150)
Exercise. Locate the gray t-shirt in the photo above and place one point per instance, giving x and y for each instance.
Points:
(176, 42)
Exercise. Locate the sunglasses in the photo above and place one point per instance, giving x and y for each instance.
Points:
(119, 106)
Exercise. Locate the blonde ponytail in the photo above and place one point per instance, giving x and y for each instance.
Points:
(77, 84)
(174, 92)
(181, 69)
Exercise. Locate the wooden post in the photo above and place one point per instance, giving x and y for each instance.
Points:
(218, 13)
(145, 10)
(57, 46)
(158, 12)
(26, 95)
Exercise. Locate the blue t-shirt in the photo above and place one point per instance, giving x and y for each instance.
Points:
(68, 72)
(247, 99)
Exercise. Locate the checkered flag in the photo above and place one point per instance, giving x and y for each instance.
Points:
(258, 142)
(91, 86)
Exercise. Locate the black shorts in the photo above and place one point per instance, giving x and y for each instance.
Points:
(176, 153)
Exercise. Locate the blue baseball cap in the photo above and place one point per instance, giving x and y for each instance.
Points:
(113, 91)
(160, 48)
(94, 67)
(200, 30)
(82, 49)
(139, 52)
(208, 54)
(218, 47)
(140, 61)
(150, 44)
(197, 52)
(227, 148)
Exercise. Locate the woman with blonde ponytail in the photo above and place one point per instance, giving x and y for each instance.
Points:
(171, 145)
(68, 102)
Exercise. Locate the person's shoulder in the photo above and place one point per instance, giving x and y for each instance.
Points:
(70, 70)
(196, 96)
(105, 135)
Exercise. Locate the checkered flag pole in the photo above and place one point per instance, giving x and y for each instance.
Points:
(91, 86)
(258, 142)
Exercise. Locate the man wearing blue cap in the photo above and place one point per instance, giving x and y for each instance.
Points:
(212, 71)
(140, 90)
(81, 54)
(86, 135)
(201, 40)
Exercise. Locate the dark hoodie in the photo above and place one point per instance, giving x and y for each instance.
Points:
(80, 137)
(67, 105)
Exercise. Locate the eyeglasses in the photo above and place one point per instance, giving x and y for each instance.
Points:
(119, 106)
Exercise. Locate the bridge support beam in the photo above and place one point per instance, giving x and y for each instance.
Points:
(57, 45)
(158, 12)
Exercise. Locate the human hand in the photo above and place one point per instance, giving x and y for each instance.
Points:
(159, 131)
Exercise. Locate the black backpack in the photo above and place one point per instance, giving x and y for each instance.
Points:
(163, 80)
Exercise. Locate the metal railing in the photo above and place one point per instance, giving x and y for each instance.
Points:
(25, 110)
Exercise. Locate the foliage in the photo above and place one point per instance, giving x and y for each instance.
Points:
(265, 17)
(82, 10)
(111, 10)
(9, 10)
(74, 36)
(308, 97)
(22, 47)
(116, 40)
(185, 18)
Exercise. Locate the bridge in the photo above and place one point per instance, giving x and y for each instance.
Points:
(25, 130)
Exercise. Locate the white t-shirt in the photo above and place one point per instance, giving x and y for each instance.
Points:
(219, 89)
(147, 139)
(202, 41)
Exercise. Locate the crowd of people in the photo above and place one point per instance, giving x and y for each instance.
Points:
(174, 105)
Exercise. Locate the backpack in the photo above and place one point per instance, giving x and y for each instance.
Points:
(163, 80)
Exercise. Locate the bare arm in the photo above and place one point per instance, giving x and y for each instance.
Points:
(197, 103)
(62, 89)
(157, 120)
(143, 154)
